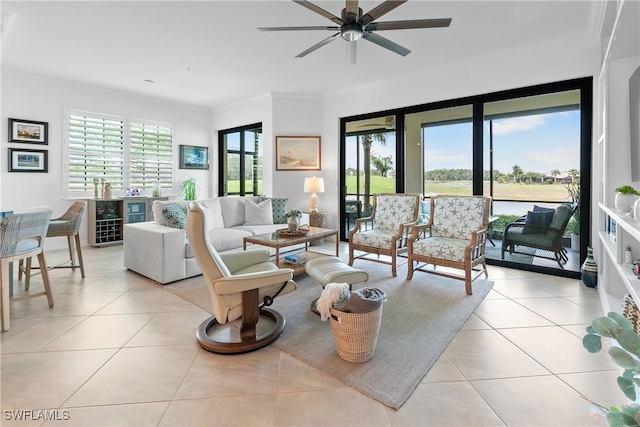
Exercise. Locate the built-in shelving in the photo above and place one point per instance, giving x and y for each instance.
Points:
(620, 50)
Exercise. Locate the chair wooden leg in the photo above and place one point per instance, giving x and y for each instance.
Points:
(409, 268)
(72, 255)
(393, 264)
(27, 274)
(4, 294)
(350, 255)
(45, 278)
(20, 269)
(467, 279)
(79, 250)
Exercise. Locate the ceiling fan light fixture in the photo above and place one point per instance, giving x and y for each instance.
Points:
(351, 32)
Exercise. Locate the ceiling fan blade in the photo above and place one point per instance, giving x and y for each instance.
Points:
(351, 52)
(318, 45)
(381, 9)
(312, 7)
(408, 25)
(352, 9)
(386, 43)
(298, 28)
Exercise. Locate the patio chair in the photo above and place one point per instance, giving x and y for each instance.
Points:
(455, 237)
(241, 285)
(538, 237)
(385, 232)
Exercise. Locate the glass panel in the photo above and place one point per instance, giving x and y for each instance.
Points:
(370, 164)
(532, 158)
(233, 174)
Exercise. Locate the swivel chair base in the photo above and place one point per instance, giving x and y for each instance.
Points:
(249, 340)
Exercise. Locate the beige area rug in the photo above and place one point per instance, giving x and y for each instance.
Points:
(419, 320)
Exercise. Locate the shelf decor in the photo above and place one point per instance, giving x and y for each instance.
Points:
(625, 198)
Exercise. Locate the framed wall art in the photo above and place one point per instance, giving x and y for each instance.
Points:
(194, 157)
(28, 131)
(298, 153)
(28, 160)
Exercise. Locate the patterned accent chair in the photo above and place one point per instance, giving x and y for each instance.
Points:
(539, 239)
(455, 236)
(386, 231)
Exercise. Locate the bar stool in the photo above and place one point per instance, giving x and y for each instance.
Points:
(67, 225)
(22, 237)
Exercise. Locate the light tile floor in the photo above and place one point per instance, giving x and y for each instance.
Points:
(119, 350)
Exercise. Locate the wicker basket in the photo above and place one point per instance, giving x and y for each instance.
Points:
(356, 334)
(631, 312)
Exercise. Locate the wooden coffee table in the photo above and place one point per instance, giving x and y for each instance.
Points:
(278, 241)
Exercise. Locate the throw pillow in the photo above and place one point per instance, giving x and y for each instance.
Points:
(536, 221)
(279, 207)
(175, 216)
(258, 213)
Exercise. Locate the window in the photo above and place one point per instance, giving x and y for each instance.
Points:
(125, 153)
(241, 160)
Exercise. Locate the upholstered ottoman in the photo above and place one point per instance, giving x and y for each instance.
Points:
(332, 269)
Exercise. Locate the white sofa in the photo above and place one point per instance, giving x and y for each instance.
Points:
(163, 253)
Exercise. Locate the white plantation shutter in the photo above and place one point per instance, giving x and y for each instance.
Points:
(95, 150)
(126, 153)
(150, 155)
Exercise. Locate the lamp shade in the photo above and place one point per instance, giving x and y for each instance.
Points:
(314, 185)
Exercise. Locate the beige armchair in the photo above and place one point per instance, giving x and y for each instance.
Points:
(454, 237)
(241, 284)
(386, 231)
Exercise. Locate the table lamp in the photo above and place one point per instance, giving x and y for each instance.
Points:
(314, 185)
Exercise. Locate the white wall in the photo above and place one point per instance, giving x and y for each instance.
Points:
(41, 98)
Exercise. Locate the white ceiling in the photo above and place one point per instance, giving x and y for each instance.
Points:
(209, 53)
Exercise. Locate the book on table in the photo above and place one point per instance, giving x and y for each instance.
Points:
(297, 259)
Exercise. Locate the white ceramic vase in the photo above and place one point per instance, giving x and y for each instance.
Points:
(636, 210)
(624, 202)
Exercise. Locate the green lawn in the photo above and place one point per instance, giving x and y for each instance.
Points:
(505, 191)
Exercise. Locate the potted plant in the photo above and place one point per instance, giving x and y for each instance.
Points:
(293, 219)
(626, 355)
(188, 189)
(625, 198)
(574, 231)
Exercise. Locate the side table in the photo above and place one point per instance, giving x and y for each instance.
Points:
(317, 219)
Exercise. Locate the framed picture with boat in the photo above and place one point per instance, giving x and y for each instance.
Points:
(298, 153)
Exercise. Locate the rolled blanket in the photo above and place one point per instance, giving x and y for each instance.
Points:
(333, 295)
(364, 300)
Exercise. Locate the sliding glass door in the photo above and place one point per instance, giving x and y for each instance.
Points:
(240, 161)
(529, 149)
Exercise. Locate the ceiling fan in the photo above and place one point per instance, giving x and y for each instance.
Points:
(354, 25)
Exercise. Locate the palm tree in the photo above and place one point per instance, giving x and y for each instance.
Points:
(555, 174)
(517, 171)
(382, 164)
(573, 173)
(367, 142)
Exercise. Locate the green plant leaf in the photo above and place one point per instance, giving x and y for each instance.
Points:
(628, 340)
(605, 326)
(627, 387)
(592, 342)
(590, 330)
(620, 419)
(622, 321)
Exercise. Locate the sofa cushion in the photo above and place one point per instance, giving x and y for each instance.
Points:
(174, 216)
(258, 213)
(158, 205)
(279, 207)
(224, 239)
(215, 211)
(232, 211)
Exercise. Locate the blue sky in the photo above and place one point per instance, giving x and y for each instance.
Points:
(538, 143)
